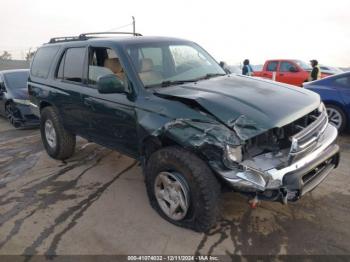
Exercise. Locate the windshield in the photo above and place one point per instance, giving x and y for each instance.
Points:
(303, 65)
(16, 80)
(160, 63)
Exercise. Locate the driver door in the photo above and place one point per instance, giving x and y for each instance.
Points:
(288, 73)
(112, 117)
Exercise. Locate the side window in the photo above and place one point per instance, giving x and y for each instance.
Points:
(272, 66)
(104, 61)
(286, 66)
(73, 65)
(343, 81)
(42, 61)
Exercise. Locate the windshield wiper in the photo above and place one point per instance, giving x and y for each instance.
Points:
(180, 82)
(210, 75)
(171, 83)
(176, 82)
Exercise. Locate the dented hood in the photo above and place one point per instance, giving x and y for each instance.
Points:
(248, 106)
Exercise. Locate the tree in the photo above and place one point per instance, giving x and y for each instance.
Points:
(30, 54)
(5, 56)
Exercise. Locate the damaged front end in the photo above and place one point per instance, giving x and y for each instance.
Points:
(249, 154)
(284, 163)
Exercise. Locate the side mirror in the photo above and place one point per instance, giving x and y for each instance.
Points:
(110, 84)
(293, 69)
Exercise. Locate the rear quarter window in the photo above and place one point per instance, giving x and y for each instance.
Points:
(42, 61)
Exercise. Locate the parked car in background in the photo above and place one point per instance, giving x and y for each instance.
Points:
(289, 71)
(335, 94)
(331, 70)
(14, 99)
(257, 67)
(235, 69)
(195, 129)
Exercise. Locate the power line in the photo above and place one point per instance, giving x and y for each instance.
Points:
(119, 27)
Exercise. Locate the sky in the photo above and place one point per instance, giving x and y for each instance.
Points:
(230, 30)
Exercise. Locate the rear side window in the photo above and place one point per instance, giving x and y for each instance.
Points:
(272, 66)
(71, 67)
(43, 60)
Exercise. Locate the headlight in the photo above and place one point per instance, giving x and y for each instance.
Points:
(321, 107)
(22, 101)
(232, 156)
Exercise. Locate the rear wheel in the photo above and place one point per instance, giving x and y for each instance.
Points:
(13, 114)
(336, 117)
(182, 188)
(58, 142)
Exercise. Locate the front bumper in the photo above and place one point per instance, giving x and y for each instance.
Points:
(26, 118)
(294, 180)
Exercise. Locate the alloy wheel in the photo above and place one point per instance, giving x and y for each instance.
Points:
(50, 134)
(172, 194)
(12, 113)
(334, 117)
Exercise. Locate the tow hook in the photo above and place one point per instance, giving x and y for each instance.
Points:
(253, 203)
(284, 197)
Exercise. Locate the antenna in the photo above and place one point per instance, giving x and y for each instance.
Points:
(133, 25)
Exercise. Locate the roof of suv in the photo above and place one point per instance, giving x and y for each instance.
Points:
(121, 40)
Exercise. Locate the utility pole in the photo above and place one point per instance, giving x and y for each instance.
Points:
(133, 25)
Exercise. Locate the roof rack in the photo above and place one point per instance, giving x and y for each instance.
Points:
(85, 36)
(64, 39)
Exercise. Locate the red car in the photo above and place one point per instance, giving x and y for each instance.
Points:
(289, 71)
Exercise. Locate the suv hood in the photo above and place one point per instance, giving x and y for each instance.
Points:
(249, 106)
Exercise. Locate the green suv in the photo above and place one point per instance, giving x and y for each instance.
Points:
(195, 129)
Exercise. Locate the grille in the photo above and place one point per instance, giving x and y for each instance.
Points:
(306, 139)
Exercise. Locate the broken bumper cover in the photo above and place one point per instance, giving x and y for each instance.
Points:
(25, 117)
(294, 180)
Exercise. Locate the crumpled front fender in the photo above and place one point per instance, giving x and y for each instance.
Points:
(207, 138)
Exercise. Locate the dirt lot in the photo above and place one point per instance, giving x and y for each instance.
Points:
(96, 203)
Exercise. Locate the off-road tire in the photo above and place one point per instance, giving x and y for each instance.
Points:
(65, 143)
(204, 189)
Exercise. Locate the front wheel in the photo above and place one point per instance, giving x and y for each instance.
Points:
(182, 188)
(336, 117)
(58, 142)
(13, 115)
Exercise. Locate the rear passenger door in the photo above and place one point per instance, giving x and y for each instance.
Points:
(70, 83)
